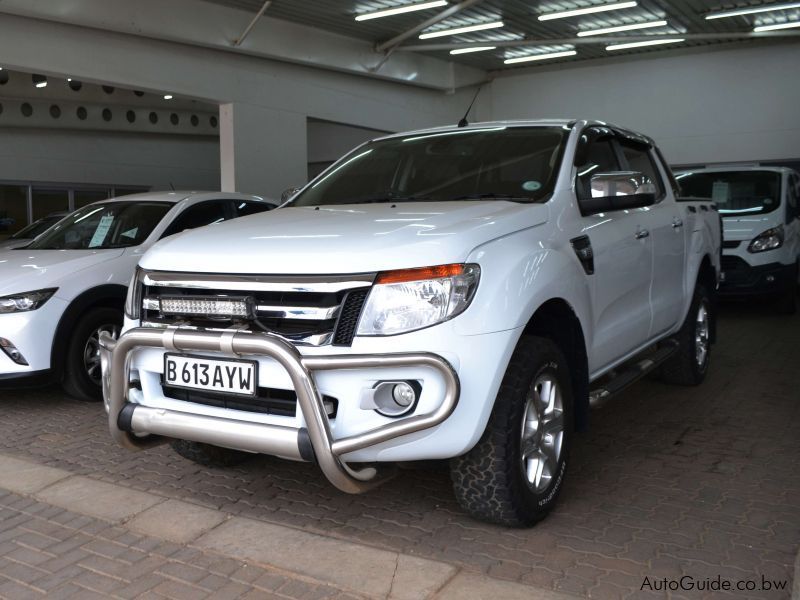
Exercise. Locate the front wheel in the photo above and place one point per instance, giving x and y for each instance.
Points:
(689, 364)
(82, 373)
(514, 474)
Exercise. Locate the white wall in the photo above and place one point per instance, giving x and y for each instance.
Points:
(720, 105)
(59, 155)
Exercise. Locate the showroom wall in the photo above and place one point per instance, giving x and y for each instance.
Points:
(718, 105)
(114, 158)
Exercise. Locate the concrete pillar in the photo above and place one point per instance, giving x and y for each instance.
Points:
(262, 150)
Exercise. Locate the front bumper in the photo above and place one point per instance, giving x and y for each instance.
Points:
(742, 279)
(136, 426)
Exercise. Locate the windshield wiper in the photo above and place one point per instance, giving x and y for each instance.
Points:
(389, 198)
(492, 195)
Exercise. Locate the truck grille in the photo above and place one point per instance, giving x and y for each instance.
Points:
(305, 310)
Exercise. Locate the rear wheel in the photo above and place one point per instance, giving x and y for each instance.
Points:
(208, 455)
(82, 372)
(514, 474)
(689, 365)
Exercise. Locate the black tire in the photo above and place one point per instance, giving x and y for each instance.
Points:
(490, 481)
(81, 380)
(685, 366)
(208, 455)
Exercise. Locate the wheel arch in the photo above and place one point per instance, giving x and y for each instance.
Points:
(109, 295)
(557, 321)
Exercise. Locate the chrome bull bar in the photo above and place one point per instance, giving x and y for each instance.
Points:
(137, 427)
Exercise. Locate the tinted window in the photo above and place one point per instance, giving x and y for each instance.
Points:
(600, 158)
(639, 159)
(735, 192)
(199, 215)
(518, 163)
(34, 229)
(246, 207)
(108, 225)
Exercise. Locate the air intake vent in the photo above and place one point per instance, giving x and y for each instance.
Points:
(348, 318)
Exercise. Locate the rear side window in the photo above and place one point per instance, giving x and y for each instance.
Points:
(640, 159)
(199, 215)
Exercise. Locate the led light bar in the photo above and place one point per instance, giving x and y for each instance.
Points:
(622, 28)
(777, 26)
(400, 10)
(586, 11)
(457, 30)
(473, 49)
(532, 57)
(750, 10)
(643, 44)
(212, 307)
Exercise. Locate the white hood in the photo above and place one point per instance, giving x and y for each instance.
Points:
(343, 239)
(28, 270)
(747, 227)
(11, 244)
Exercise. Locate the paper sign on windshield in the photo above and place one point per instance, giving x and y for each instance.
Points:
(720, 192)
(102, 230)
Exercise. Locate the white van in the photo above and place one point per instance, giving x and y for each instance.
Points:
(760, 209)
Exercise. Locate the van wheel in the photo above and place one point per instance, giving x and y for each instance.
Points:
(208, 455)
(514, 474)
(689, 364)
(82, 373)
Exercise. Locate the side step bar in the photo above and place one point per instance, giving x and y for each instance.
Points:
(633, 373)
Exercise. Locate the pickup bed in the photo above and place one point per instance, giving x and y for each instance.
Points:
(461, 293)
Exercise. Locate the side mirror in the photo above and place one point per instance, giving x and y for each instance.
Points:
(618, 191)
(289, 193)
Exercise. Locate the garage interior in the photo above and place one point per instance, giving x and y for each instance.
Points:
(104, 98)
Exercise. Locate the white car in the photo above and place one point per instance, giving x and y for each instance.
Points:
(760, 209)
(460, 293)
(61, 291)
(26, 235)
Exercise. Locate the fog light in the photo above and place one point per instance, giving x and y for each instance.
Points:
(12, 352)
(770, 278)
(403, 394)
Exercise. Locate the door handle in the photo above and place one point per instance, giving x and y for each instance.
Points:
(642, 233)
(676, 223)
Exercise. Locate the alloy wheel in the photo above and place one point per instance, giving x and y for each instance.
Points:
(542, 433)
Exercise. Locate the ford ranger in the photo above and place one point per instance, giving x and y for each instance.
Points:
(462, 293)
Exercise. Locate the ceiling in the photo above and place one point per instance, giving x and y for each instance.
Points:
(523, 34)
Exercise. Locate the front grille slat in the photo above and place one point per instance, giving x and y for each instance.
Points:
(301, 311)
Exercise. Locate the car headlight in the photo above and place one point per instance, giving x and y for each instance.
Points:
(133, 299)
(411, 299)
(769, 240)
(26, 301)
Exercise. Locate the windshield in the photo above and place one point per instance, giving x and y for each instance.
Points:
(35, 228)
(735, 192)
(497, 163)
(107, 225)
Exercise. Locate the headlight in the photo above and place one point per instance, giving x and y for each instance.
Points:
(133, 300)
(769, 240)
(411, 299)
(26, 301)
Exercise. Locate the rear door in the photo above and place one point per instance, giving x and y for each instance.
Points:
(665, 226)
(622, 266)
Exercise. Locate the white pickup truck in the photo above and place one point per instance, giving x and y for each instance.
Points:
(462, 293)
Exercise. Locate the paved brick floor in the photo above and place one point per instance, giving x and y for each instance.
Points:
(669, 481)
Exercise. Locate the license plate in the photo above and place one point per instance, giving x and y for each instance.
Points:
(209, 374)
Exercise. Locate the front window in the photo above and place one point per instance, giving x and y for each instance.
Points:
(496, 163)
(101, 226)
(735, 192)
(37, 228)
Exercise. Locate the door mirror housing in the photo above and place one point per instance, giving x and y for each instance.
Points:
(289, 193)
(619, 190)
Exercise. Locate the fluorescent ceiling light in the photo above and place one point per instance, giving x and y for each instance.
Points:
(41, 84)
(457, 30)
(621, 28)
(586, 11)
(400, 10)
(736, 12)
(643, 44)
(473, 49)
(519, 59)
(776, 26)
(167, 96)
